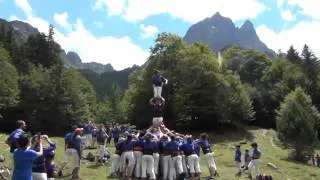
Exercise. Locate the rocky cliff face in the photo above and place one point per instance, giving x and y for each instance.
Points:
(220, 32)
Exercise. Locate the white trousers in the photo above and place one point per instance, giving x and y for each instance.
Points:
(138, 162)
(175, 167)
(39, 176)
(116, 163)
(148, 166)
(156, 121)
(88, 140)
(71, 155)
(166, 160)
(184, 164)
(193, 163)
(101, 150)
(254, 163)
(210, 161)
(128, 156)
(156, 157)
(157, 90)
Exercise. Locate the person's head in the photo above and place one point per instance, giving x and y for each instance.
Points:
(254, 145)
(247, 150)
(173, 137)
(74, 127)
(24, 141)
(237, 146)
(142, 133)
(158, 100)
(204, 136)
(156, 71)
(164, 138)
(189, 138)
(21, 124)
(78, 131)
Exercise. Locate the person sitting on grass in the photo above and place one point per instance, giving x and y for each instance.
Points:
(237, 159)
(24, 157)
(38, 168)
(255, 160)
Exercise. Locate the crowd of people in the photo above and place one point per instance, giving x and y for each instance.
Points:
(154, 153)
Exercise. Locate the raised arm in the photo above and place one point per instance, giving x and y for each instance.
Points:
(151, 102)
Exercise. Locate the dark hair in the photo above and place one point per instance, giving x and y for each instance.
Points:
(142, 133)
(254, 145)
(204, 136)
(20, 123)
(23, 140)
(74, 127)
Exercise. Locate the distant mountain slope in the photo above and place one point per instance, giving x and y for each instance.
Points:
(103, 82)
(220, 32)
(21, 32)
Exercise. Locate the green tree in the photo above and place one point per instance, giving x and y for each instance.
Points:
(297, 123)
(9, 90)
(293, 55)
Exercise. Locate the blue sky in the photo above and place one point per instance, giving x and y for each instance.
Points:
(121, 32)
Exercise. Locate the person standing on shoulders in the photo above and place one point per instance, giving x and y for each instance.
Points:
(158, 80)
(157, 105)
(24, 157)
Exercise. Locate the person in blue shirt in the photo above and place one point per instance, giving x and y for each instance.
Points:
(116, 161)
(23, 158)
(237, 159)
(165, 155)
(73, 152)
(87, 134)
(128, 156)
(12, 140)
(158, 80)
(189, 149)
(255, 160)
(101, 136)
(115, 131)
(39, 168)
(137, 151)
(247, 159)
(176, 161)
(147, 158)
(206, 149)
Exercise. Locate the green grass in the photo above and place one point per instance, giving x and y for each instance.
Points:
(224, 154)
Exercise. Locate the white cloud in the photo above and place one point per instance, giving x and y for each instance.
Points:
(309, 7)
(287, 15)
(120, 52)
(280, 3)
(62, 19)
(113, 7)
(192, 10)
(98, 24)
(13, 18)
(148, 31)
(24, 6)
(302, 33)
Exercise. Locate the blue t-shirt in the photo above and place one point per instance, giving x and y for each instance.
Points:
(23, 160)
(188, 148)
(14, 136)
(237, 156)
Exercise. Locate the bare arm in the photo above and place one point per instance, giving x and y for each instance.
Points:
(40, 153)
(151, 102)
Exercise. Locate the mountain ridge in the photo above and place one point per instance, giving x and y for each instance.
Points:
(220, 32)
(22, 30)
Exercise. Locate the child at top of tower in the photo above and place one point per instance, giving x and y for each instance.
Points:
(158, 80)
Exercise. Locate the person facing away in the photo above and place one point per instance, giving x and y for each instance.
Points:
(158, 80)
(24, 157)
(39, 171)
(12, 140)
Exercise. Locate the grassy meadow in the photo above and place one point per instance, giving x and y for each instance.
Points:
(224, 155)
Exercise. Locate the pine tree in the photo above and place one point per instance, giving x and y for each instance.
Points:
(293, 55)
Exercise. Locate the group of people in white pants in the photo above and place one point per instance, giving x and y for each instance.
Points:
(169, 157)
